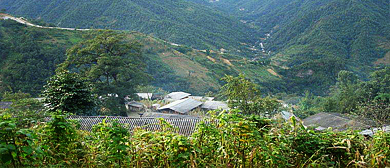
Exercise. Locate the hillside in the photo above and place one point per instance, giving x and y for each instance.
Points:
(30, 54)
(311, 40)
(177, 21)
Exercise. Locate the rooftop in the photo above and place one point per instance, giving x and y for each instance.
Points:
(214, 105)
(184, 126)
(176, 96)
(334, 120)
(182, 106)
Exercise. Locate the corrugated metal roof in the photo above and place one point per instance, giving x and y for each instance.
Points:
(184, 126)
(167, 116)
(371, 132)
(287, 115)
(145, 95)
(135, 104)
(176, 96)
(214, 105)
(201, 98)
(182, 106)
(336, 121)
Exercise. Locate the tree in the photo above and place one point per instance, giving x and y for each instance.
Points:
(244, 95)
(112, 64)
(67, 92)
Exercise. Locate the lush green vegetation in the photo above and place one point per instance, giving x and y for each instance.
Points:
(311, 41)
(308, 33)
(67, 91)
(226, 140)
(223, 139)
(29, 56)
(171, 67)
(370, 100)
(176, 21)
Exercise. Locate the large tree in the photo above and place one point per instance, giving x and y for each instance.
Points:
(243, 94)
(113, 64)
(67, 92)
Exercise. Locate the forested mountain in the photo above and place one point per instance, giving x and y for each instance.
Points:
(308, 41)
(313, 39)
(176, 21)
(29, 56)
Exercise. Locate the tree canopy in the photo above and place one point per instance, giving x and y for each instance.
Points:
(242, 94)
(67, 92)
(111, 63)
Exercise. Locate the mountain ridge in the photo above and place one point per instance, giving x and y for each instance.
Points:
(172, 20)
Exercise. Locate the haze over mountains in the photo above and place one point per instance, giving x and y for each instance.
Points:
(309, 41)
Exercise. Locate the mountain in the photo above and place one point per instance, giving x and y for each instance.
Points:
(306, 42)
(311, 40)
(177, 21)
(30, 55)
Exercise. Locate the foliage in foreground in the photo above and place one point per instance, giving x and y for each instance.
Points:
(224, 140)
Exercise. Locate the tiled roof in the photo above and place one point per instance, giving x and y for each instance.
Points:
(184, 126)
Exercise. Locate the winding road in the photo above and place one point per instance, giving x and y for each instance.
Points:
(25, 22)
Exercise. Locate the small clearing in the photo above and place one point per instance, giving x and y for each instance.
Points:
(226, 61)
(271, 71)
(384, 60)
(211, 59)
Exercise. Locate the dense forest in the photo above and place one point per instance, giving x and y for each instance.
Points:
(309, 42)
(306, 33)
(176, 21)
(31, 55)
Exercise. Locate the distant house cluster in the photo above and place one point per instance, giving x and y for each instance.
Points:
(178, 103)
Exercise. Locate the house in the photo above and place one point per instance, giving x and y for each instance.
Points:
(155, 106)
(287, 115)
(167, 116)
(157, 96)
(334, 120)
(214, 105)
(183, 126)
(201, 98)
(146, 96)
(135, 106)
(5, 105)
(174, 96)
(180, 106)
(372, 131)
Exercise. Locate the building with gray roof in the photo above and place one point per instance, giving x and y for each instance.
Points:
(183, 126)
(336, 121)
(146, 96)
(372, 131)
(215, 105)
(176, 96)
(135, 106)
(180, 106)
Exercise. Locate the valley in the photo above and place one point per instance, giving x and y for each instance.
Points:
(275, 43)
(195, 83)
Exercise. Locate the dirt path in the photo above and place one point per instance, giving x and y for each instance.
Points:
(25, 22)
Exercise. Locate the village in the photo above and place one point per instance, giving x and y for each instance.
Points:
(184, 111)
